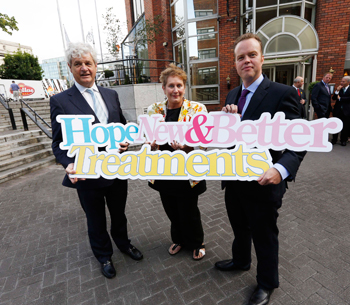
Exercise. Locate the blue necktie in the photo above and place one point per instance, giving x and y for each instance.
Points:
(242, 100)
(98, 108)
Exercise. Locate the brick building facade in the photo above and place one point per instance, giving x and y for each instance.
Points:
(200, 34)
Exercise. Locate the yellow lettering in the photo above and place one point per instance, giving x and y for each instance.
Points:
(190, 164)
(80, 157)
(258, 163)
(213, 158)
(122, 170)
(239, 156)
(167, 164)
(93, 160)
(106, 164)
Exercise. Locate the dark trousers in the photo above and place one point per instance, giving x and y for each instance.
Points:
(345, 131)
(321, 114)
(186, 225)
(254, 220)
(93, 202)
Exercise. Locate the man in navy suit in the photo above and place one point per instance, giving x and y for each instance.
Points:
(342, 109)
(252, 206)
(84, 97)
(321, 97)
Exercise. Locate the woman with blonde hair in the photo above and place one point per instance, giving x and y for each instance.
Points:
(179, 197)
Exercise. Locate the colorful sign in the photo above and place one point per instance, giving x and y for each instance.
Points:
(249, 159)
(26, 90)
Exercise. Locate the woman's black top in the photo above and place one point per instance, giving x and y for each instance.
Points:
(177, 186)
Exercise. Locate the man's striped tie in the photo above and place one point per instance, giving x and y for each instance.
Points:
(98, 108)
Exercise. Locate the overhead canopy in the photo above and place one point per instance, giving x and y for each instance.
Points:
(288, 36)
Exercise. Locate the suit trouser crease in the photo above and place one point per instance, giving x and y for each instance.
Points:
(93, 202)
(255, 220)
(186, 225)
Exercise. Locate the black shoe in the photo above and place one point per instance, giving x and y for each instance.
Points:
(334, 142)
(108, 269)
(133, 253)
(343, 143)
(229, 265)
(260, 296)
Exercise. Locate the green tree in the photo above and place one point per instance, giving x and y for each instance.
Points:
(108, 73)
(21, 65)
(8, 24)
(113, 29)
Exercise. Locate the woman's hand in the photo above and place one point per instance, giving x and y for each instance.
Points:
(123, 147)
(176, 145)
(153, 145)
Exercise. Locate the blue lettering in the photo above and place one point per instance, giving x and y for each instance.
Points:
(68, 128)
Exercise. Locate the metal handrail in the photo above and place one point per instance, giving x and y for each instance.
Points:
(5, 103)
(33, 115)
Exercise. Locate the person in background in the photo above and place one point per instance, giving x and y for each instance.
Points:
(298, 84)
(15, 89)
(179, 197)
(84, 97)
(321, 97)
(342, 109)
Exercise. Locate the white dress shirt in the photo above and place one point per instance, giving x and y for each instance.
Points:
(88, 97)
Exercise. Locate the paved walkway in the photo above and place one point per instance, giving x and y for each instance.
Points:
(45, 257)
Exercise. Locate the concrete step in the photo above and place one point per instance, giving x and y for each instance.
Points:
(25, 150)
(14, 135)
(5, 127)
(7, 146)
(26, 168)
(25, 159)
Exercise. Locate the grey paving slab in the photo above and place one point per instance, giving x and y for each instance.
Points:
(45, 257)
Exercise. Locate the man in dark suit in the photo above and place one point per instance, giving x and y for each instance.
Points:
(321, 97)
(252, 206)
(87, 98)
(342, 109)
(297, 84)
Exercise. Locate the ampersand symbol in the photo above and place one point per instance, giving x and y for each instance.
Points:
(196, 127)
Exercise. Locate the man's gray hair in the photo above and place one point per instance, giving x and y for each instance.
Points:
(297, 79)
(347, 78)
(79, 49)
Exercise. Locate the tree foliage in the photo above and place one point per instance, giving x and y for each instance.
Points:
(149, 30)
(146, 32)
(8, 24)
(108, 73)
(113, 29)
(21, 65)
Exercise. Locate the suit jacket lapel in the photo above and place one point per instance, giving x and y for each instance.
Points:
(257, 98)
(76, 98)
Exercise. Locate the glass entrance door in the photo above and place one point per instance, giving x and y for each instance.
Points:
(285, 75)
(281, 74)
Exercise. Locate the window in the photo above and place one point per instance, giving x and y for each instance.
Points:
(138, 8)
(203, 13)
(197, 9)
(210, 53)
(196, 42)
(266, 10)
(205, 31)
